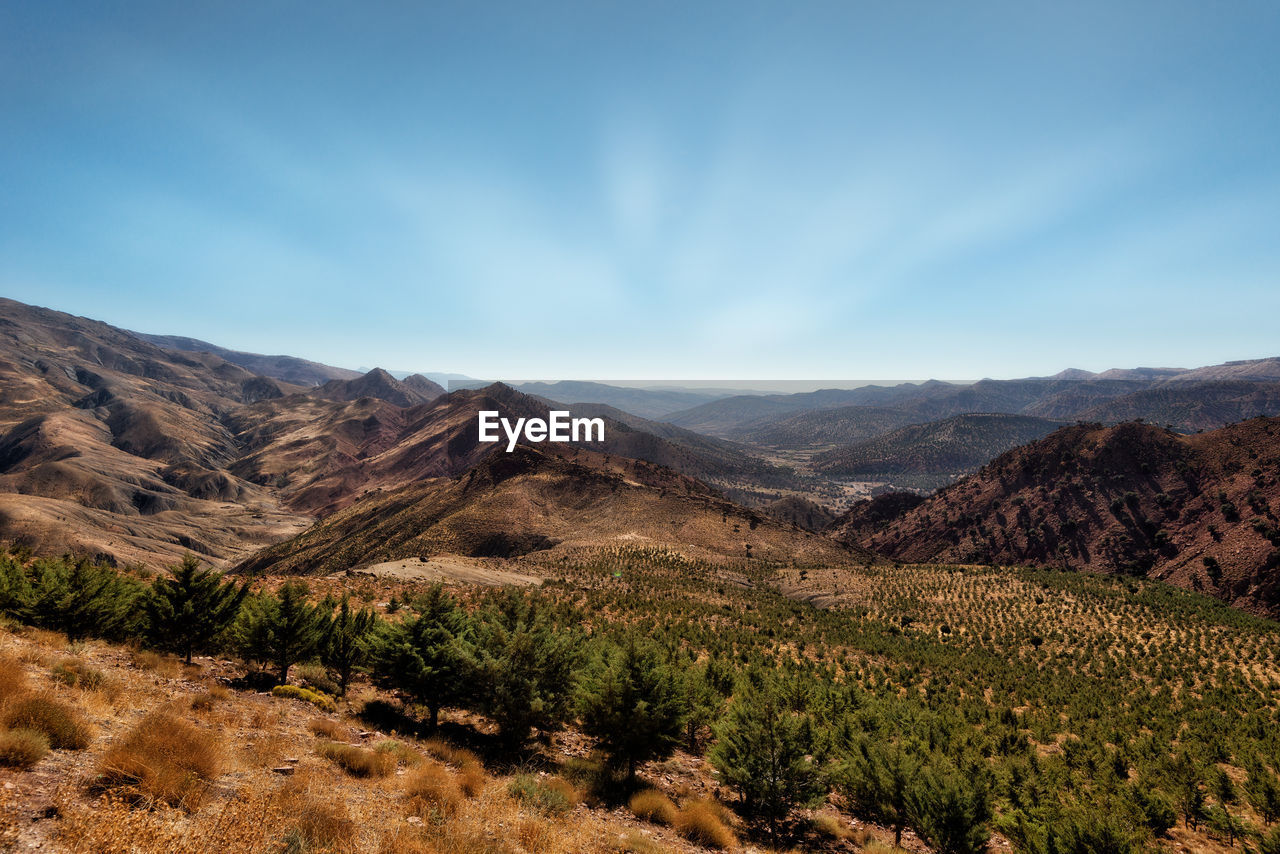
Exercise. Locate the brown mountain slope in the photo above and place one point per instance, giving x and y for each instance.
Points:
(545, 502)
(109, 444)
(1199, 511)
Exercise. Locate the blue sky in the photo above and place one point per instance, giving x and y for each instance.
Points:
(624, 190)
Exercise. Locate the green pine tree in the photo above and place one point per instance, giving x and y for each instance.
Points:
(527, 667)
(430, 656)
(634, 706)
(186, 611)
(762, 751)
(876, 779)
(283, 629)
(346, 643)
(951, 809)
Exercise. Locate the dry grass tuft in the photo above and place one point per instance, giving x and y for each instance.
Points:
(829, 825)
(64, 726)
(471, 775)
(322, 825)
(652, 805)
(162, 760)
(700, 822)
(472, 780)
(45, 637)
(77, 674)
(22, 748)
(357, 761)
(403, 841)
(13, 677)
(167, 666)
(635, 842)
(325, 728)
(433, 792)
(207, 699)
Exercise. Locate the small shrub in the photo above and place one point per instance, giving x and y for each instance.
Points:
(433, 792)
(357, 761)
(22, 748)
(548, 798)
(700, 822)
(315, 698)
(400, 751)
(65, 728)
(317, 678)
(162, 760)
(652, 805)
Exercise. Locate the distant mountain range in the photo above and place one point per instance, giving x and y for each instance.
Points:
(138, 448)
(113, 445)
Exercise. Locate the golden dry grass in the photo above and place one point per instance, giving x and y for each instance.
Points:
(63, 725)
(701, 822)
(325, 728)
(22, 748)
(357, 761)
(433, 791)
(162, 760)
(13, 677)
(652, 805)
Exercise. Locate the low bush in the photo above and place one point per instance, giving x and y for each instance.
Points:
(357, 761)
(65, 727)
(315, 698)
(162, 760)
(701, 822)
(433, 792)
(652, 805)
(22, 748)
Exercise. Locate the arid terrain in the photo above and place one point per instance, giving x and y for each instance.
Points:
(680, 638)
